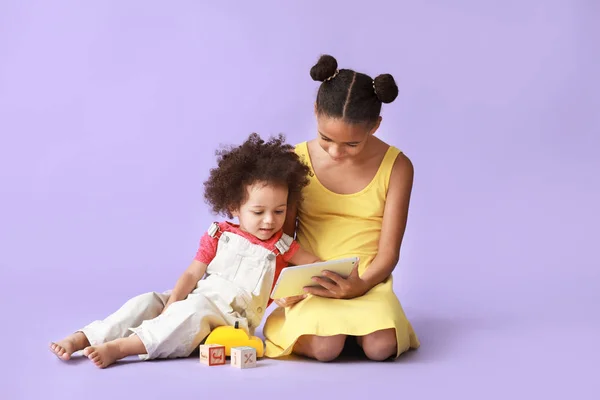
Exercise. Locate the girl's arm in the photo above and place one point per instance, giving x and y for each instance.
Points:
(301, 256)
(395, 217)
(289, 226)
(186, 282)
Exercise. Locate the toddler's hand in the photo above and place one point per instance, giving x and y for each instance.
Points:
(289, 301)
(167, 305)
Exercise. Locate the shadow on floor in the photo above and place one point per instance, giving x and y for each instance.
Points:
(440, 338)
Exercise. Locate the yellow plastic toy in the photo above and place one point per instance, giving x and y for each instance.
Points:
(232, 336)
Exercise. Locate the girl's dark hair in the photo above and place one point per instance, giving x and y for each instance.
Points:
(349, 95)
(273, 162)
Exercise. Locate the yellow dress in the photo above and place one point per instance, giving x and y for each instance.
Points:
(333, 226)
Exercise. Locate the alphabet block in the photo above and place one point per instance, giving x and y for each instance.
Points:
(243, 357)
(212, 354)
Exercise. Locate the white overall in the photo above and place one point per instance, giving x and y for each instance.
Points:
(236, 289)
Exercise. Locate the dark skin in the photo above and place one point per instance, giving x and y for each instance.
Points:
(345, 158)
(358, 155)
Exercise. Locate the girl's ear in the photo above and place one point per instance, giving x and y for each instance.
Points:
(234, 213)
(375, 126)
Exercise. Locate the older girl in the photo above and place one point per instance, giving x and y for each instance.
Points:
(356, 204)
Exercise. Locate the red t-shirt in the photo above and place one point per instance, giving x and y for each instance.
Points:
(208, 246)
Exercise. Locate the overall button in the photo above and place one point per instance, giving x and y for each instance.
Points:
(259, 309)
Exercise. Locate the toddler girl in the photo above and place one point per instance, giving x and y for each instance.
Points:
(230, 278)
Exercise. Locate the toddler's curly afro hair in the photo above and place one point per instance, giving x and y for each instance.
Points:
(273, 162)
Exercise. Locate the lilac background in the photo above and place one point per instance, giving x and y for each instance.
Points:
(103, 106)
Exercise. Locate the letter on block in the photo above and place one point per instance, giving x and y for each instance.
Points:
(243, 357)
(212, 354)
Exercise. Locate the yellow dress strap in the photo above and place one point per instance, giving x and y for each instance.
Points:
(384, 172)
(302, 150)
(387, 164)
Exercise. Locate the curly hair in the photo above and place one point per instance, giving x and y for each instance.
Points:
(273, 162)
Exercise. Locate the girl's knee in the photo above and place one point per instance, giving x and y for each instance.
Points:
(323, 348)
(327, 349)
(380, 351)
(381, 345)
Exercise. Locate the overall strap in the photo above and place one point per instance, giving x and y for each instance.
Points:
(283, 244)
(214, 231)
(281, 247)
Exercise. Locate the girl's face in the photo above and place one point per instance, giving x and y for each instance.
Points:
(341, 140)
(263, 213)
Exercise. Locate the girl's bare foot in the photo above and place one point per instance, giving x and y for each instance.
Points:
(69, 345)
(104, 354)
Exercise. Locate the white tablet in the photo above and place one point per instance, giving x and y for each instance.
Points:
(292, 280)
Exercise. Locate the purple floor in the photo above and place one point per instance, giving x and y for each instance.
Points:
(474, 346)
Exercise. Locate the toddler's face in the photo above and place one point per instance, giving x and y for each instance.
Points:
(263, 213)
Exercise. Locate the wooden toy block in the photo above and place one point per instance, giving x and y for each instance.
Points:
(212, 354)
(243, 357)
(233, 336)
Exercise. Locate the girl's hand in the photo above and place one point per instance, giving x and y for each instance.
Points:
(289, 301)
(338, 287)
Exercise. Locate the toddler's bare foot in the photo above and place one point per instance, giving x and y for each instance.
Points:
(104, 354)
(69, 345)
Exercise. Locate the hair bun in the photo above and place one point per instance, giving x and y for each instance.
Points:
(324, 68)
(385, 88)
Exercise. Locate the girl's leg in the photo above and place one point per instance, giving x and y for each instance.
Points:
(131, 314)
(322, 348)
(379, 345)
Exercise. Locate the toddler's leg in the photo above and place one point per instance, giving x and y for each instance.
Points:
(179, 331)
(129, 315)
(107, 353)
(176, 333)
(69, 345)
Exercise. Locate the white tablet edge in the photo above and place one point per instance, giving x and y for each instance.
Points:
(321, 266)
